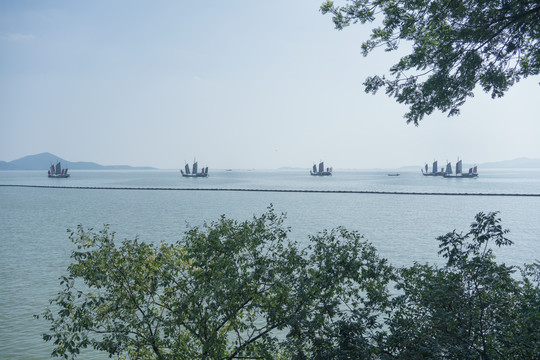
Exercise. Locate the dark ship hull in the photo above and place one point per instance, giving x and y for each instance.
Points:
(58, 176)
(324, 173)
(461, 176)
(195, 175)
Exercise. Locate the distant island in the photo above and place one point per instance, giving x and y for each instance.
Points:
(519, 163)
(44, 160)
(523, 163)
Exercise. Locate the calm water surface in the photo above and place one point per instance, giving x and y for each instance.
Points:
(35, 249)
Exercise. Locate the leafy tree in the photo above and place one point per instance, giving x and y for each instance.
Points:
(455, 45)
(344, 323)
(227, 290)
(472, 308)
(244, 290)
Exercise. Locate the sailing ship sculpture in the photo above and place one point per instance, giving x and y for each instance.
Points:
(58, 172)
(321, 171)
(194, 173)
(473, 172)
(434, 170)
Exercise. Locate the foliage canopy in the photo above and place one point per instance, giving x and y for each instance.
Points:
(471, 308)
(456, 44)
(227, 290)
(231, 290)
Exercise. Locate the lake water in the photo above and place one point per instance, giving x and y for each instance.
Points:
(401, 216)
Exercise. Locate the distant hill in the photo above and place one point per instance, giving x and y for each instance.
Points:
(516, 163)
(44, 160)
(519, 163)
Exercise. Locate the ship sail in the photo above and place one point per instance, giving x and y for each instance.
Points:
(458, 167)
(434, 167)
(187, 169)
(314, 168)
(448, 168)
(321, 166)
(195, 167)
(58, 169)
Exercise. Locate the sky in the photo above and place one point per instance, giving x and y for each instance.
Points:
(242, 84)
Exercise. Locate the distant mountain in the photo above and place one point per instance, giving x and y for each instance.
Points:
(516, 163)
(519, 163)
(44, 160)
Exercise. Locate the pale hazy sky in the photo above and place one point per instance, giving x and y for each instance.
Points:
(236, 84)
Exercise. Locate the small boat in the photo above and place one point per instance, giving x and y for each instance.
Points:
(434, 170)
(57, 172)
(321, 171)
(393, 174)
(473, 172)
(194, 173)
